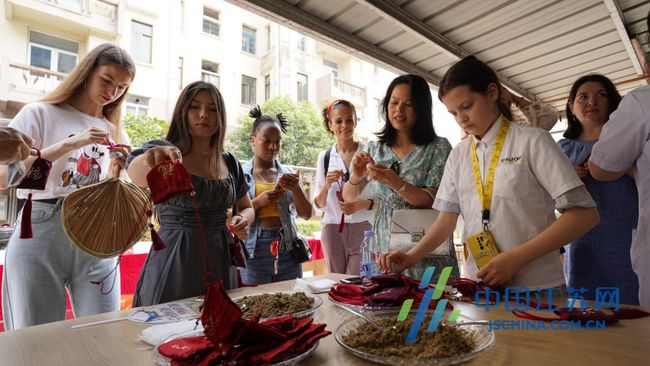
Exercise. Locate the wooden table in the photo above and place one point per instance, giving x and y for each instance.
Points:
(627, 343)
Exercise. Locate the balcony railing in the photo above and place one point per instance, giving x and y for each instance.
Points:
(97, 15)
(350, 89)
(24, 84)
(106, 8)
(37, 78)
(329, 88)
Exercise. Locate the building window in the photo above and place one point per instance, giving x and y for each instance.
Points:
(267, 87)
(248, 90)
(141, 37)
(248, 36)
(268, 38)
(211, 23)
(137, 105)
(210, 72)
(302, 87)
(180, 73)
(302, 42)
(52, 53)
(332, 66)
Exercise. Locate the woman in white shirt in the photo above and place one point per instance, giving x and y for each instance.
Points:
(72, 127)
(343, 223)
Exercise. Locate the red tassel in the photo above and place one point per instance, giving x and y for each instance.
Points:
(157, 243)
(26, 221)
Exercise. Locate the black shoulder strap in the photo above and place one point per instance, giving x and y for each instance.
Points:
(326, 161)
(231, 163)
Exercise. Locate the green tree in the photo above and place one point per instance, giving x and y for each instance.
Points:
(305, 138)
(142, 128)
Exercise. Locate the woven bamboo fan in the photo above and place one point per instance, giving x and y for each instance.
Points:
(106, 218)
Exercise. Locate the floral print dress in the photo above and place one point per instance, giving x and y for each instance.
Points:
(422, 167)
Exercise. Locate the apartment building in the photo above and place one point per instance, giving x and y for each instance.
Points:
(173, 43)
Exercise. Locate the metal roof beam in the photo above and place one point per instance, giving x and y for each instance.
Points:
(392, 12)
(616, 14)
(293, 17)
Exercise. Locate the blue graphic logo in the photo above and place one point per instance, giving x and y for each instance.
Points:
(430, 293)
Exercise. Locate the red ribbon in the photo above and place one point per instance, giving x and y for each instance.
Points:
(339, 195)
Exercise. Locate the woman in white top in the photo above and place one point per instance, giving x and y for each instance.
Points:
(343, 223)
(531, 177)
(72, 126)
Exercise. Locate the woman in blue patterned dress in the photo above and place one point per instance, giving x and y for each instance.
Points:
(405, 166)
(600, 258)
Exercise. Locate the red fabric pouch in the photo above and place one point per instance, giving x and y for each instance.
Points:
(168, 180)
(36, 178)
(184, 348)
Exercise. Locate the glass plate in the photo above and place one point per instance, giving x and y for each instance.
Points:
(481, 332)
(366, 308)
(160, 360)
(301, 314)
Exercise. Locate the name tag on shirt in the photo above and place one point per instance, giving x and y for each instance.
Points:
(482, 247)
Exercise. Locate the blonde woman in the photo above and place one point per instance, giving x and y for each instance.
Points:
(72, 127)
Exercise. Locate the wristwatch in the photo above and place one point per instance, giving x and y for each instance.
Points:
(372, 203)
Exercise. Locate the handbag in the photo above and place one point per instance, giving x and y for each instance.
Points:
(301, 250)
(409, 226)
(238, 253)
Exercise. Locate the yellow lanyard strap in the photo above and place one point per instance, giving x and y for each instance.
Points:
(485, 195)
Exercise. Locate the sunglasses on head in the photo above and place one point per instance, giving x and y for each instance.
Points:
(395, 166)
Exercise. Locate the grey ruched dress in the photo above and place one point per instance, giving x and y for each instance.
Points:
(178, 271)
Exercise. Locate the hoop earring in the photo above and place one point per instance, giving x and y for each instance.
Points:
(85, 83)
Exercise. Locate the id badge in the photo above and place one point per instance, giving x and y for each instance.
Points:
(482, 247)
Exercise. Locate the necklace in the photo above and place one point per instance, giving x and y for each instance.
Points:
(259, 177)
(202, 152)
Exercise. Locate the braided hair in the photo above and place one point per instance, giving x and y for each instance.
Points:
(256, 114)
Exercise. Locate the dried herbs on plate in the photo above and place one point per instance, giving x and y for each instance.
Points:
(445, 341)
(275, 304)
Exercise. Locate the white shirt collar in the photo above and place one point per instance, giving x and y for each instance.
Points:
(359, 148)
(491, 136)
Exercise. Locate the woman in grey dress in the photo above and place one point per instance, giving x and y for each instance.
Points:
(195, 137)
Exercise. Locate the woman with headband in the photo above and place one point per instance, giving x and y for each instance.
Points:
(343, 222)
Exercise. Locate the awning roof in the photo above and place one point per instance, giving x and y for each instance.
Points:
(539, 47)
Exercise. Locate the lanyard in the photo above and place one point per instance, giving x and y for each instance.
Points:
(485, 195)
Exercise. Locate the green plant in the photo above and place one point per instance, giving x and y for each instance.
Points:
(142, 128)
(307, 228)
(305, 137)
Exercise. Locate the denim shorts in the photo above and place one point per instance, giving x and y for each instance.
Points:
(260, 268)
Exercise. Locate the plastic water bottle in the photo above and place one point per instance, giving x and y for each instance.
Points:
(369, 255)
